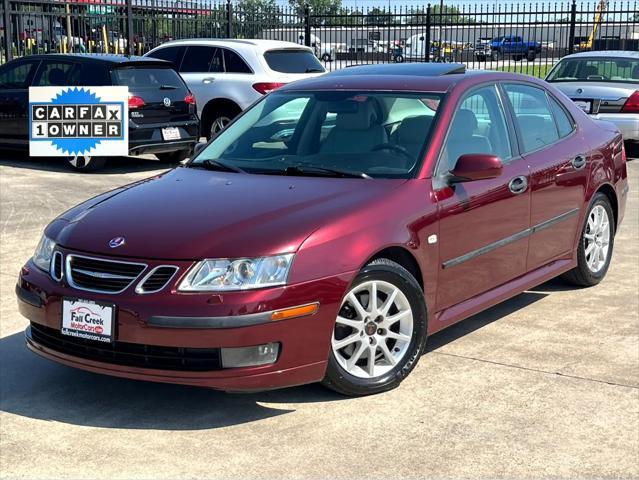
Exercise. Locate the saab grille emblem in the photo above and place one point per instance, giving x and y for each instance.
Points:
(116, 242)
(167, 102)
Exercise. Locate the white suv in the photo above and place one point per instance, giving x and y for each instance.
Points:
(226, 76)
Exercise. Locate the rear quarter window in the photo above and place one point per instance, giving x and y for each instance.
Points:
(293, 61)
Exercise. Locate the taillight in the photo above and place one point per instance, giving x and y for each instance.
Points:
(135, 102)
(267, 87)
(632, 104)
(190, 99)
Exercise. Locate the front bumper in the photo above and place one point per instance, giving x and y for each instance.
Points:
(627, 123)
(304, 342)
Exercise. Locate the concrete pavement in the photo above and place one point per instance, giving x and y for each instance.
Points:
(543, 385)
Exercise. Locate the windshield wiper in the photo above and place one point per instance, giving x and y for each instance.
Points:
(218, 166)
(324, 171)
(168, 87)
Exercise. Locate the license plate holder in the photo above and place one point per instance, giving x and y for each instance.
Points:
(171, 133)
(88, 319)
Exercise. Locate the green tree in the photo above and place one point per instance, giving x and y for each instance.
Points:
(377, 16)
(326, 7)
(449, 15)
(250, 17)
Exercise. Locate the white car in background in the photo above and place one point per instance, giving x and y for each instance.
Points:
(226, 76)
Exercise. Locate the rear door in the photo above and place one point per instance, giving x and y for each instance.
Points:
(558, 158)
(15, 78)
(202, 69)
(161, 94)
(483, 224)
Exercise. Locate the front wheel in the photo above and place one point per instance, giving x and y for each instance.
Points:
(595, 245)
(326, 57)
(379, 333)
(85, 163)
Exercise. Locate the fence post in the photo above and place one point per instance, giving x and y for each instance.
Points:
(307, 25)
(427, 37)
(229, 19)
(573, 22)
(8, 51)
(129, 28)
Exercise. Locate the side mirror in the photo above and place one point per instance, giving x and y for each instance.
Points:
(475, 166)
(198, 148)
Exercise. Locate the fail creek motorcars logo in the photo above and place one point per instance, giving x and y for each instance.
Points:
(73, 121)
(82, 318)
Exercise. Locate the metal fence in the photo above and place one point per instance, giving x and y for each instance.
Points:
(517, 37)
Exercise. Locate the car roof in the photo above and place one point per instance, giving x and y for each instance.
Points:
(255, 43)
(413, 69)
(605, 54)
(402, 79)
(101, 57)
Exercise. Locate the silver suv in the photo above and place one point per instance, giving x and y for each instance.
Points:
(226, 76)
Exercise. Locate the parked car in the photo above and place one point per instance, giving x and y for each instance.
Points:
(150, 82)
(323, 234)
(226, 76)
(605, 85)
(514, 47)
(482, 49)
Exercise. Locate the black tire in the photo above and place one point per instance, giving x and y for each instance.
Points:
(481, 58)
(399, 58)
(339, 380)
(85, 163)
(517, 58)
(327, 57)
(494, 55)
(173, 157)
(213, 120)
(581, 275)
(531, 56)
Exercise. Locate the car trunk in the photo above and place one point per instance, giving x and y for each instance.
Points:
(598, 97)
(157, 94)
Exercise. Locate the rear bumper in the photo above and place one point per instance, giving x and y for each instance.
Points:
(627, 123)
(147, 138)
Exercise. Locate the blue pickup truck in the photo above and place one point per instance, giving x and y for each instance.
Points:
(506, 46)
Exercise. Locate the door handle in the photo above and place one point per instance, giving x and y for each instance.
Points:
(579, 162)
(208, 80)
(518, 185)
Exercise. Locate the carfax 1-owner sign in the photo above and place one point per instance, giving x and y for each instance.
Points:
(78, 121)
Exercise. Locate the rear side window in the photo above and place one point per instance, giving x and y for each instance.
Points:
(293, 61)
(57, 74)
(16, 75)
(146, 77)
(533, 116)
(233, 63)
(565, 124)
(170, 54)
(202, 59)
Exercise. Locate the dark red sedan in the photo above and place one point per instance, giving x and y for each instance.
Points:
(328, 230)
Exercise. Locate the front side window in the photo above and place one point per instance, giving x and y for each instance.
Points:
(382, 135)
(202, 59)
(16, 76)
(479, 126)
(57, 74)
(596, 70)
(533, 116)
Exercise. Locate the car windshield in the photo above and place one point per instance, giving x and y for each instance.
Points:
(596, 70)
(336, 133)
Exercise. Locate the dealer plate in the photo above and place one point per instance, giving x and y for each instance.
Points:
(585, 105)
(170, 133)
(88, 319)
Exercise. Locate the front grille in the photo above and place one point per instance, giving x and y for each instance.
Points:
(129, 354)
(56, 266)
(157, 279)
(99, 275)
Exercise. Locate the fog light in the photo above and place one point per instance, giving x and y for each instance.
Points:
(250, 356)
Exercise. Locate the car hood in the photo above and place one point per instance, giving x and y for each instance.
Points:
(599, 90)
(189, 214)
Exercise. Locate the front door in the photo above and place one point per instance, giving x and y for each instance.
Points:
(558, 160)
(483, 224)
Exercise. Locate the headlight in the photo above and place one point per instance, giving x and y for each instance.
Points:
(43, 253)
(237, 274)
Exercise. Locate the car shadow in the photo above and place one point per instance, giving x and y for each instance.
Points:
(37, 388)
(114, 165)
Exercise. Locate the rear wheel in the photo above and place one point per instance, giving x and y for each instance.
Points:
(85, 163)
(494, 55)
(595, 245)
(326, 57)
(379, 333)
(173, 157)
(531, 55)
(219, 119)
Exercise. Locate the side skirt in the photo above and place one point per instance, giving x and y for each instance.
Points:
(467, 308)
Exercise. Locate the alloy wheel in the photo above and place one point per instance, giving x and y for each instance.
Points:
(373, 329)
(80, 161)
(218, 125)
(597, 239)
